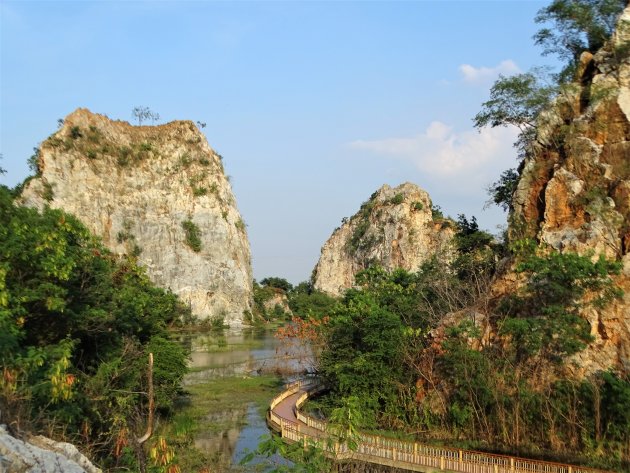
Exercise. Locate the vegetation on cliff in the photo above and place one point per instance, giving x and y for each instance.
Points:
(447, 353)
(76, 327)
(500, 383)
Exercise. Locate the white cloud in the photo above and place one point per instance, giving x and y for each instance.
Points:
(483, 75)
(467, 157)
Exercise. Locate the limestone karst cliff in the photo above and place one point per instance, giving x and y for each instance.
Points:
(157, 192)
(394, 228)
(574, 190)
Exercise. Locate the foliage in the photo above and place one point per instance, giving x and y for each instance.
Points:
(306, 302)
(362, 355)
(33, 162)
(362, 225)
(468, 237)
(519, 100)
(142, 114)
(273, 450)
(502, 190)
(240, 224)
(199, 191)
(577, 26)
(279, 283)
(397, 199)
(386, 347)
(516, 101)
(436, 212)
(262, 294)
(47, 193)
(544, 320)
(76, 326)
(193, 235)
(75, 132)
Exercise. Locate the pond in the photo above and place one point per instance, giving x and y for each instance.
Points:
(233, 376)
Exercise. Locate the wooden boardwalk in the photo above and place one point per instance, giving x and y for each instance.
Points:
(294, 426)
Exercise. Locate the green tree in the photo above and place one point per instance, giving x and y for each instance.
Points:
(576, 26)
(77, 324)
(279, 283)
(502, 191)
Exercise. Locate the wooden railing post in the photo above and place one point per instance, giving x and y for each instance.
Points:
(377, 446)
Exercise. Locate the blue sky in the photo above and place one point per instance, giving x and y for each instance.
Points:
(313, 105)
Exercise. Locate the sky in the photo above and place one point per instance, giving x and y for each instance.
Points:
(313, 105)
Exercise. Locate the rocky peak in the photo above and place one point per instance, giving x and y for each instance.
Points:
(574, 190)
(394, 228)
(156, 192)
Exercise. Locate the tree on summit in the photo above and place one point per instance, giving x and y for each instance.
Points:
(142, 114)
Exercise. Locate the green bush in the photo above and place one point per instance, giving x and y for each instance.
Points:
(125, 154)
(193, 235)
(199, 191)
(48, 194)
(76, 326)
(397, 199)
(75, 133)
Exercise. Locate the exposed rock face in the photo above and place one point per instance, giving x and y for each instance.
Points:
(41, 455)
(394, 228)
(574, 193)
(149, 191)
(279, 299)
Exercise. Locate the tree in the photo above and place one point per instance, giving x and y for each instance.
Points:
(578, 26)
(279, 283)
(144, 113)
(516, 100)
(76, 326)
(502, 190)
(33, 162)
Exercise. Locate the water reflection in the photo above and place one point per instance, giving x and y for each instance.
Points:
(237, 354)
(247, 352)
(225, 440)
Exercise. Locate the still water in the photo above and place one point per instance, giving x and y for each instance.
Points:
(238, 355)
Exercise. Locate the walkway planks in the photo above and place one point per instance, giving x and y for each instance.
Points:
(294, 426)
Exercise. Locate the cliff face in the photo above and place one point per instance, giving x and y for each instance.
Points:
(158, 192)
(574, 192)
(395, 229)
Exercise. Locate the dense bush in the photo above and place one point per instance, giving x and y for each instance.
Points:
(400, 345)
(76, 327)
(193, 235)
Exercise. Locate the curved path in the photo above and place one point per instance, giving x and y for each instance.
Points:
(294, 426)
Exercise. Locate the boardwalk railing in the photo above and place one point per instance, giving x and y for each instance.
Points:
(412, 456)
